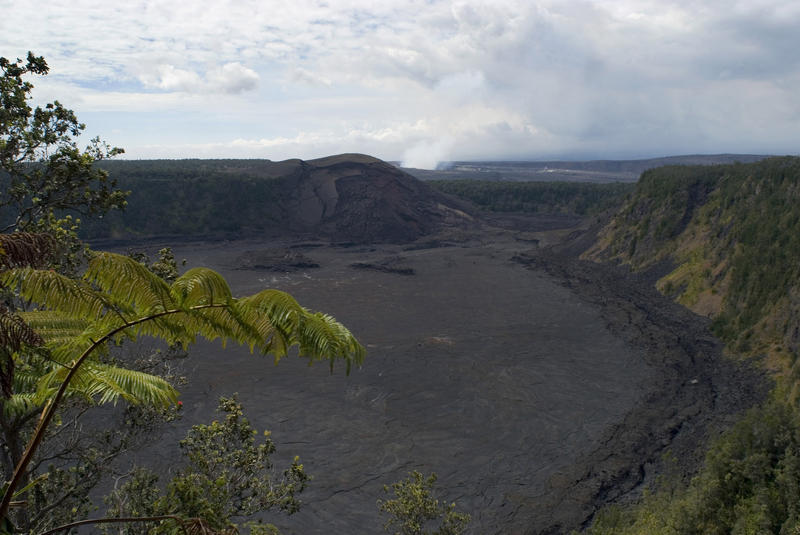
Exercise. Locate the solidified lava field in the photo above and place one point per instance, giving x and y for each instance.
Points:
(536, 386)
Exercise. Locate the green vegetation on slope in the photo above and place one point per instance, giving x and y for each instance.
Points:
(192, 197)
(750, 484)
(732, 236)
(536, 197)
(172, 197)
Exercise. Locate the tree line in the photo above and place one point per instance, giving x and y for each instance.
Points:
(573, 198)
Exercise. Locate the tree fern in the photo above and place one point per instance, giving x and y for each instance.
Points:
(119, 297)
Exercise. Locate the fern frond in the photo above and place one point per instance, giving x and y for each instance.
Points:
(230, 323)
(210, 322)
(167, 325)
(26, 376)
(19, 404)
(282, 322)
(56, 292)
(280, 308)
(20, 249)
(15, 332)
(14, 335)
(63, 354)
(320, 336)
(119, 297)
(200, 286)
(102, 383)
(129, 284)
(110, 383)
(54, 327)
(49, 382)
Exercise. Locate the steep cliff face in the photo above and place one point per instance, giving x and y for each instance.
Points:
(731, 234)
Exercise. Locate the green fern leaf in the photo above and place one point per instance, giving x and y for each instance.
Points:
(200, 286)
(128, 284)
(19, 404)
(54, 327)
(56, 292)
(110, 383)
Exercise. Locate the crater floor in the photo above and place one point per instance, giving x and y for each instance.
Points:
(511, 386)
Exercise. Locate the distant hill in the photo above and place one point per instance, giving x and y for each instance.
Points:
(731, 236)
(570, 171)
(349, 198)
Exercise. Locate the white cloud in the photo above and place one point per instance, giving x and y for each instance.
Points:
(304, 76)
(233, 78)
(170, 78)
(228, 78)
(497, 78)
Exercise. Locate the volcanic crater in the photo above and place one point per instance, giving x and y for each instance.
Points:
(538, 387)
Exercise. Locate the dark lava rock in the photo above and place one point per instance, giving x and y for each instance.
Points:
(391, 264)
(538, 389)
(697, 393)
(429, 244)
(283, 260)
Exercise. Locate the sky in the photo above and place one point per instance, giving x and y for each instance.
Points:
(420, 81)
